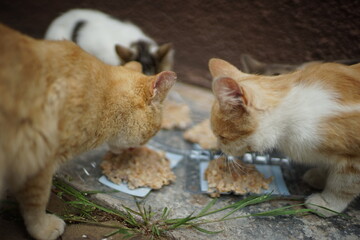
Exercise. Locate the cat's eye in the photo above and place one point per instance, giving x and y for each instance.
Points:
(221, 138)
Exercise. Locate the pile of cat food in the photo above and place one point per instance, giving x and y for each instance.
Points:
(237, 177)
(175, 115)
(202, 134)
(138, 167)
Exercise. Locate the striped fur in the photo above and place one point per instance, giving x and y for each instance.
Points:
(57, 101)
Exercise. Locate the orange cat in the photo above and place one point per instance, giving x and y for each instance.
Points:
(312, 115)
(57, 101)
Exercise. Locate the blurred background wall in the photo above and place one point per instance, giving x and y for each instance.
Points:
(282, 31)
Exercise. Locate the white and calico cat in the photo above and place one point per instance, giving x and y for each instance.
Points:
(113, 41)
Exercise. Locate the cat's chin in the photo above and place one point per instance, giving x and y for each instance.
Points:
(233, 152)
(116, 150)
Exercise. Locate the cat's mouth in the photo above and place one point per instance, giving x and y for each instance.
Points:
(119, 150)
(233, 151)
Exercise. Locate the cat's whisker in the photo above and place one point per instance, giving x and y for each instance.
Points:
(227, 164)
(230, 160)
(217, 161)
(236, 168)
(239, 167)
(222, 155)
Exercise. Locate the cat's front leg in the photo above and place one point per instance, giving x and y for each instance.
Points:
(316, 177)
(342, 186)
(33, 199)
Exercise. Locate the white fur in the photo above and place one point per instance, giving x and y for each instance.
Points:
(99, 35)
(226, 95)
(293, 126)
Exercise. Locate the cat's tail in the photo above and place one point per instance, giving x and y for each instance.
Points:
(58, 32)
(64, 29)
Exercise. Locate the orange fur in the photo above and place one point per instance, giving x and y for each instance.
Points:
(58, 101)
(251, 65)
(253, 112)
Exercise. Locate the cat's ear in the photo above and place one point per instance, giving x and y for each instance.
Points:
(220, 68)
(164, 50)
(160, 85)
(229, 93)
(165, 56)
(133, 65)
(251, 65)
(124, 53)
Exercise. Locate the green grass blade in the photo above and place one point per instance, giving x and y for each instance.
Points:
(89, 222)
(330, 210)
(165, 213)
(247, 202)
(251, 200)
(282, 212)
(182, 221)
(155, 230)
(80, 203)
(207, 207)
(69, 190)
(129, 235)
(95, 192)
(132, 211)
(149, 214)
(120, 230)
(140, 210)
(131, 220)
(81, 199)
(172, 221)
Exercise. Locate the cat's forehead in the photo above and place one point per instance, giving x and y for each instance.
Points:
(141, 83)
(132, 81)
(132, 76)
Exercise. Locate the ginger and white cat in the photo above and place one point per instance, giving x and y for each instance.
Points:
(57, 101)
(312, 115)
(113, 41)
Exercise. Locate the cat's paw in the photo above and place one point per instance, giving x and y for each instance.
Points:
(49, 227)
(316, 178)
(316, 201)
